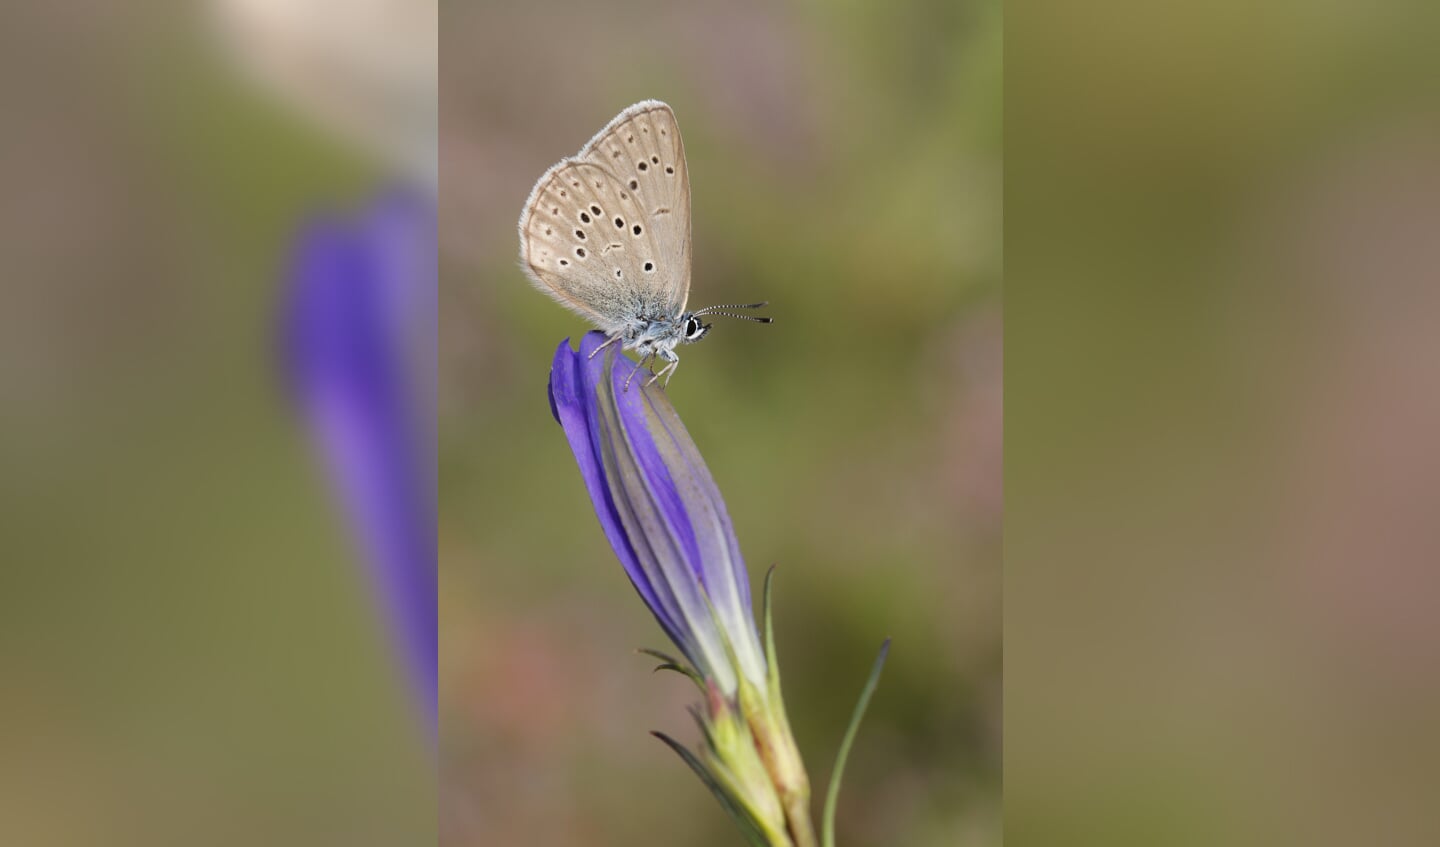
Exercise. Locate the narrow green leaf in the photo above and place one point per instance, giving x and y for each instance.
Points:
(832, 794)
(670, 663)
(660, 654)
(677, 669)
(742, 818)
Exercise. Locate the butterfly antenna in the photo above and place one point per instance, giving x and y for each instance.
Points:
(743, 317)
(708, 309)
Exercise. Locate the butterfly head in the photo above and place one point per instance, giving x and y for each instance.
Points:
(694, 329)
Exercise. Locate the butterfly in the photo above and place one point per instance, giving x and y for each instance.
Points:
(606, 233)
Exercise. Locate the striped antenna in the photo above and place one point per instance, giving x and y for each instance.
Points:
(742, 317)
(708, 309)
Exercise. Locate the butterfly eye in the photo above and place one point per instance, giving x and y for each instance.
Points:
(692, 328)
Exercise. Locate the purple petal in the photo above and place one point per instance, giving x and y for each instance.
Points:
(718, 562)
(573, 403)
(660, 508)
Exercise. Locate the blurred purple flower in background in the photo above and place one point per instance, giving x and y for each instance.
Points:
(359, 345)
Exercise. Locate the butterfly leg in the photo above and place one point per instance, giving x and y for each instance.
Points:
(611, 340)
(668, 370)
(648, 358)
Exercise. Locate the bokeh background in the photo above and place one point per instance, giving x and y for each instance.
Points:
(1222, 255)
(845, 165)
(1220, 343)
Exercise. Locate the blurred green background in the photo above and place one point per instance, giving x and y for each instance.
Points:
(1221, 412)
(845, 166)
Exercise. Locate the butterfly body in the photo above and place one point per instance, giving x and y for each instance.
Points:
(661, 336)
(606, 233)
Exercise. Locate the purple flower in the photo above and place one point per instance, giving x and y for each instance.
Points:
(660, 510)
(358, 336)
(666, 521)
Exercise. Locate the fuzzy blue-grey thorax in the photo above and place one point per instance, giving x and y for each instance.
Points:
(664, 334)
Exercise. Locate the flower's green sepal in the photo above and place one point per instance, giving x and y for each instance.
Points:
(748, 826)
(670, 663)
(742, 818)
(765, 714)
(734, 759)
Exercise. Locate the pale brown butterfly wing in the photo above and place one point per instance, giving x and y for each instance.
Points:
(642, 147)
(610, 241)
